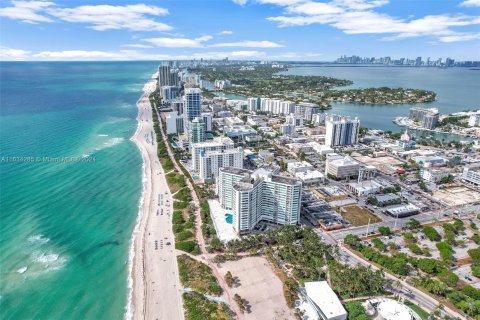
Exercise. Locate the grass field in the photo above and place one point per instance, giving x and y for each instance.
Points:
(197, 276)
(358, 216)
(199, 308)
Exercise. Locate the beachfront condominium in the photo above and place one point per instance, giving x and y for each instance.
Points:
(212, 161)
(341, 131)
(426, 117)
(196, 131)
(174, 123)
(167, 76)
(259, 195)
(192, 102)
(217, 144)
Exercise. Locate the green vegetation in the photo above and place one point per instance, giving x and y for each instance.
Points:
(448, 277)
(240, 302)
(229, 279)
(197, 307)
(446, 252)
(446, 179)
(379, 244)
(197, 276)
(422, 313)
(413, 224)
(460, 121)
(385, 231)
(415, 248)
(431, 233)
(383, 95)
(356, 311)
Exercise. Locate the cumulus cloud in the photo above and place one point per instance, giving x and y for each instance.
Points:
(135, 17)
(359, 17)
(108, 17)
(178, 42)
(137, 45)
(226, 32)
(9, 54)
(240, 2)
(27, 11)
(470, 3)
(249, 44)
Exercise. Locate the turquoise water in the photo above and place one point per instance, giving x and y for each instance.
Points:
(66, 224)
(229, 218)
(457, 89)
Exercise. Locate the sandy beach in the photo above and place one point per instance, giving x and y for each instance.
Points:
(155, 289)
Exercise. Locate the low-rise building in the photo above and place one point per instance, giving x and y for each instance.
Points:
(388, 199)
(403, 210)
(342, 168)
(299, 166)
(364, 188)
(323, 302)
(310, 177)
(434, 175)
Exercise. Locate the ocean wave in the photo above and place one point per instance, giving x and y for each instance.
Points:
(48, 260)
(102, 135)
(110, 143)
(38, 239)
(22, 270)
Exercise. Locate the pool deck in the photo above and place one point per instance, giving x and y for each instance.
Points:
(225, 231)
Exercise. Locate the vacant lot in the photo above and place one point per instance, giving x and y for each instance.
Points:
(457, 195)
(383, 164)
(260, 287)
(358, 216)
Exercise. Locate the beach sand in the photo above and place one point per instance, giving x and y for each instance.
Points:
(155, 289)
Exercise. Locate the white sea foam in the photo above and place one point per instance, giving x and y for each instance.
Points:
(110, 143)
(131, 255)
(38, 239)
(48, 260)
(102, 135)
(22, 270)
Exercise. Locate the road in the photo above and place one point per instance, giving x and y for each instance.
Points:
(157, 292)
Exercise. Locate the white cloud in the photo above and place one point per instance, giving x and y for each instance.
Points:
(27, 11)
(9, 54)
(108, 17)
(357, 17)
(226, 32)
(179, 42)
(137, 45)
(249, 44)
(240, 2)
(470, 3)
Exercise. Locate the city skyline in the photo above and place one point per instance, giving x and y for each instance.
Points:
(283, 30)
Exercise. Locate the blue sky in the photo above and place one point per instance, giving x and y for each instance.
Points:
(240, 29)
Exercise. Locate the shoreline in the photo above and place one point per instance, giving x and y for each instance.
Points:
(151, 286)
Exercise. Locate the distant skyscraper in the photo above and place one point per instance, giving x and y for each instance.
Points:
(167, 76)
(340, 132)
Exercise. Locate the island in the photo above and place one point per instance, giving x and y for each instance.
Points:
(272, 82)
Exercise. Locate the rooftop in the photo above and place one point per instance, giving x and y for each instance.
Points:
(325, 299)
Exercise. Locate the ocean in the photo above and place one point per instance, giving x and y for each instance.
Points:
(70, 179)
(70, 183)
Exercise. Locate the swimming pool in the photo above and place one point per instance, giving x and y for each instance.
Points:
(229, 218)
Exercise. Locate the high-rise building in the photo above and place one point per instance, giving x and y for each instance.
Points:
(259, 195)
(217, 144)
(196, 131)
(192, 102)
(307, 110)
(427, 117)
(169, 93)
(174, 123)
(341, 132)
(207, 120)
(167, 76)
(212, 161)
